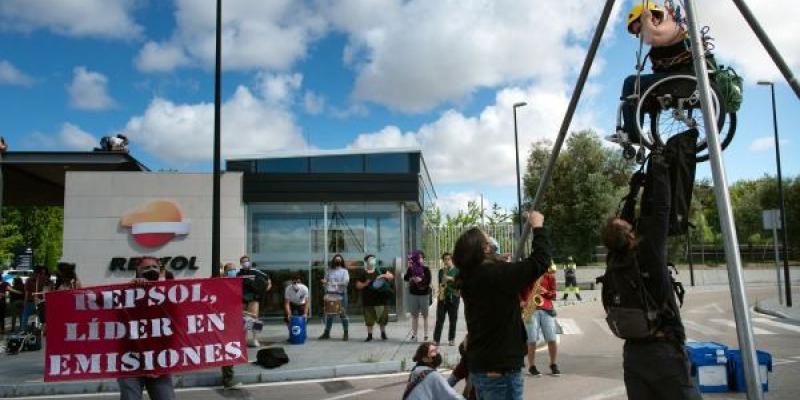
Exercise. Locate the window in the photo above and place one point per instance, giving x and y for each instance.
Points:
(387, 163)
(338, 164)
(285, 165)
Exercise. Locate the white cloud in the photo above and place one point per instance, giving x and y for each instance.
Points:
(735, 41)
(89, 90)
(257, 34)
(480, 149)
(10, 75)
(452, 202)
(313, 103)
(279, 88)
(79, 18)
(413, 55)
(183, 133)
(70, 137)
(765, 143)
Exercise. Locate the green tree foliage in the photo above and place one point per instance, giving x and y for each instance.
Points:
(40, 228)
(498, 216)
(469, 217)
(587, 184)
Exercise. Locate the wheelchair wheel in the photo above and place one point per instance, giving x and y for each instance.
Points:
(672, 105)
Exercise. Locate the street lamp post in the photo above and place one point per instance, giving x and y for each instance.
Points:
(784, 228)
(516, 150)
(215, 206)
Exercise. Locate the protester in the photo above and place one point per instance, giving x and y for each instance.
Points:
(228, 378)
(655, 367)
(461, 372)
(159, 387)
(335, 282)
(418, 277)
(255, 286)
(295, 297)
(542, 323)
(425, 382)
(376, 287)
(571, 279)
(35, 287)
(66, 278)
(4, 290)
(448, 300)
(17, 301)
(490, 289)
(3, 145)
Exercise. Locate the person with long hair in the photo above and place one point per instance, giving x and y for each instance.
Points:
(424, 381)
(335, 282)
(490, 288)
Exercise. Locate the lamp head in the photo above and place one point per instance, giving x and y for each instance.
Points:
(520, 104)
(765, 83)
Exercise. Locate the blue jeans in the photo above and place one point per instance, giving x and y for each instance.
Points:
(505, 386)
(28, 310)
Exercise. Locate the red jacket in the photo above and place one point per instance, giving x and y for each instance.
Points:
(548, 291)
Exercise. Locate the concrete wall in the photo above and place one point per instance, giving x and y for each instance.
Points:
(95, 201)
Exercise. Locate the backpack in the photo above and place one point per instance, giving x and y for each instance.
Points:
(730, 87)
(271, 357)
(631, 312)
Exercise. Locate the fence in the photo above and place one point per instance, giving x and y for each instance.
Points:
(439, 239)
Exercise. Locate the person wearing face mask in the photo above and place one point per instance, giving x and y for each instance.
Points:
(159, 387)
(376, 287)
(418, 276)
(256, 284)
(335, 282)
(228, 381)
(295, 299)
(490, 291)
(425, 382)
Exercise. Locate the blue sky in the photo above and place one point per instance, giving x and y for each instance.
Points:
(330, 74)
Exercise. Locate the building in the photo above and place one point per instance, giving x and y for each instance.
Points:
(290, 213)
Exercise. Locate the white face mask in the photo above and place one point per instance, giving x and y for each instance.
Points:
(246, 264)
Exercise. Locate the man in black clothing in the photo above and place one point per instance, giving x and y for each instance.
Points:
(491, 288)
(655, 367)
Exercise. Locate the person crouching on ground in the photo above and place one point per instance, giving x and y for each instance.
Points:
(490, 289)
(376, 292)
(424, 382)
(541, 325)
(418, 277)
(295, 299)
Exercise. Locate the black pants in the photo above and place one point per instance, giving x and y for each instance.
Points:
(448, 306)
(657, 371)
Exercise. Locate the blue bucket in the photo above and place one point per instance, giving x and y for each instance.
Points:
(297, 329)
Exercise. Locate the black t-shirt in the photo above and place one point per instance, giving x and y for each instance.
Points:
(253, 288)
(369, 295)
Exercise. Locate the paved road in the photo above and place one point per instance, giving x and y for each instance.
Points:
(590, 359)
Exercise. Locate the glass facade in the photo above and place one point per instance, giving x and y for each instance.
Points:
(373, 163)
(287, 239)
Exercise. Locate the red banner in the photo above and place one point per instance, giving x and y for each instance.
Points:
(149, 329)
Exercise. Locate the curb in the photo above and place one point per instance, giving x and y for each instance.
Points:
(203, 379)
(759, 309)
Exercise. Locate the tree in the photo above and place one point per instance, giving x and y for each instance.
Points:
(587, 184)
(470, 216)
(498, 216)
(40, 228)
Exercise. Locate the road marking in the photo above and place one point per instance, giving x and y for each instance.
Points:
(778, 324)
(700, 328)
(781, 361)
(344, 396)
(729, 323)
(603, 325)
(712, 308)
(608, 394)
(569, 327)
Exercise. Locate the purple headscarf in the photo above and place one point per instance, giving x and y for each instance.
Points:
(417, 268)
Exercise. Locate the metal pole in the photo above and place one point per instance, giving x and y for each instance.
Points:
(215, 210)
(784, 227)
(562, 133)
(768, 46)
(739, 297)
(777, 258)
(689, 256)
(516, 151)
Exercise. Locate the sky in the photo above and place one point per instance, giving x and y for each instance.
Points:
(324, 74)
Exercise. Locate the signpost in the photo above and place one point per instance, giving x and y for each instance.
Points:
(772, 221)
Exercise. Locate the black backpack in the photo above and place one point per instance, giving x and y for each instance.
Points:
(271, 357)
(631, 312)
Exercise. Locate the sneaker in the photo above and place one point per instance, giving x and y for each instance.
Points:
(383, 336)
(554, 370)
(369, 338)
(346, 337)
(579, 297)
(619, 137)
(533, 371)
(233, 386)
(253, 343)
(325, 336)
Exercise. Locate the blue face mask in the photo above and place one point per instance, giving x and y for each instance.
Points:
(231, 273)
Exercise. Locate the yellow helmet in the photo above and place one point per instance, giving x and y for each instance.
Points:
(553, 267)
(636, 12)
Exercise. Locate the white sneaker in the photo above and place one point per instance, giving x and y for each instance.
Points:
(253, 343)
(618, 137)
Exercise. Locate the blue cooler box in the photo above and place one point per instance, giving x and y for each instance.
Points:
(297, 330)
(736, 369)
(709, 362)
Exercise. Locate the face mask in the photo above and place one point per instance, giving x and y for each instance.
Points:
(231, 273)
(150, 274)
(372, 262)
(435, 362)
(295, 285)
(246, 264)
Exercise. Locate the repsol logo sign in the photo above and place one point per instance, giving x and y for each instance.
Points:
(178, 263)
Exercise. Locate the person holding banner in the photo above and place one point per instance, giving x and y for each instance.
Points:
(335, 282)
(256, 285)
(159, 387)
(228, 379)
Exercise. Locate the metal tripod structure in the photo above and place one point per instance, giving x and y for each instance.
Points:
(744, 327)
